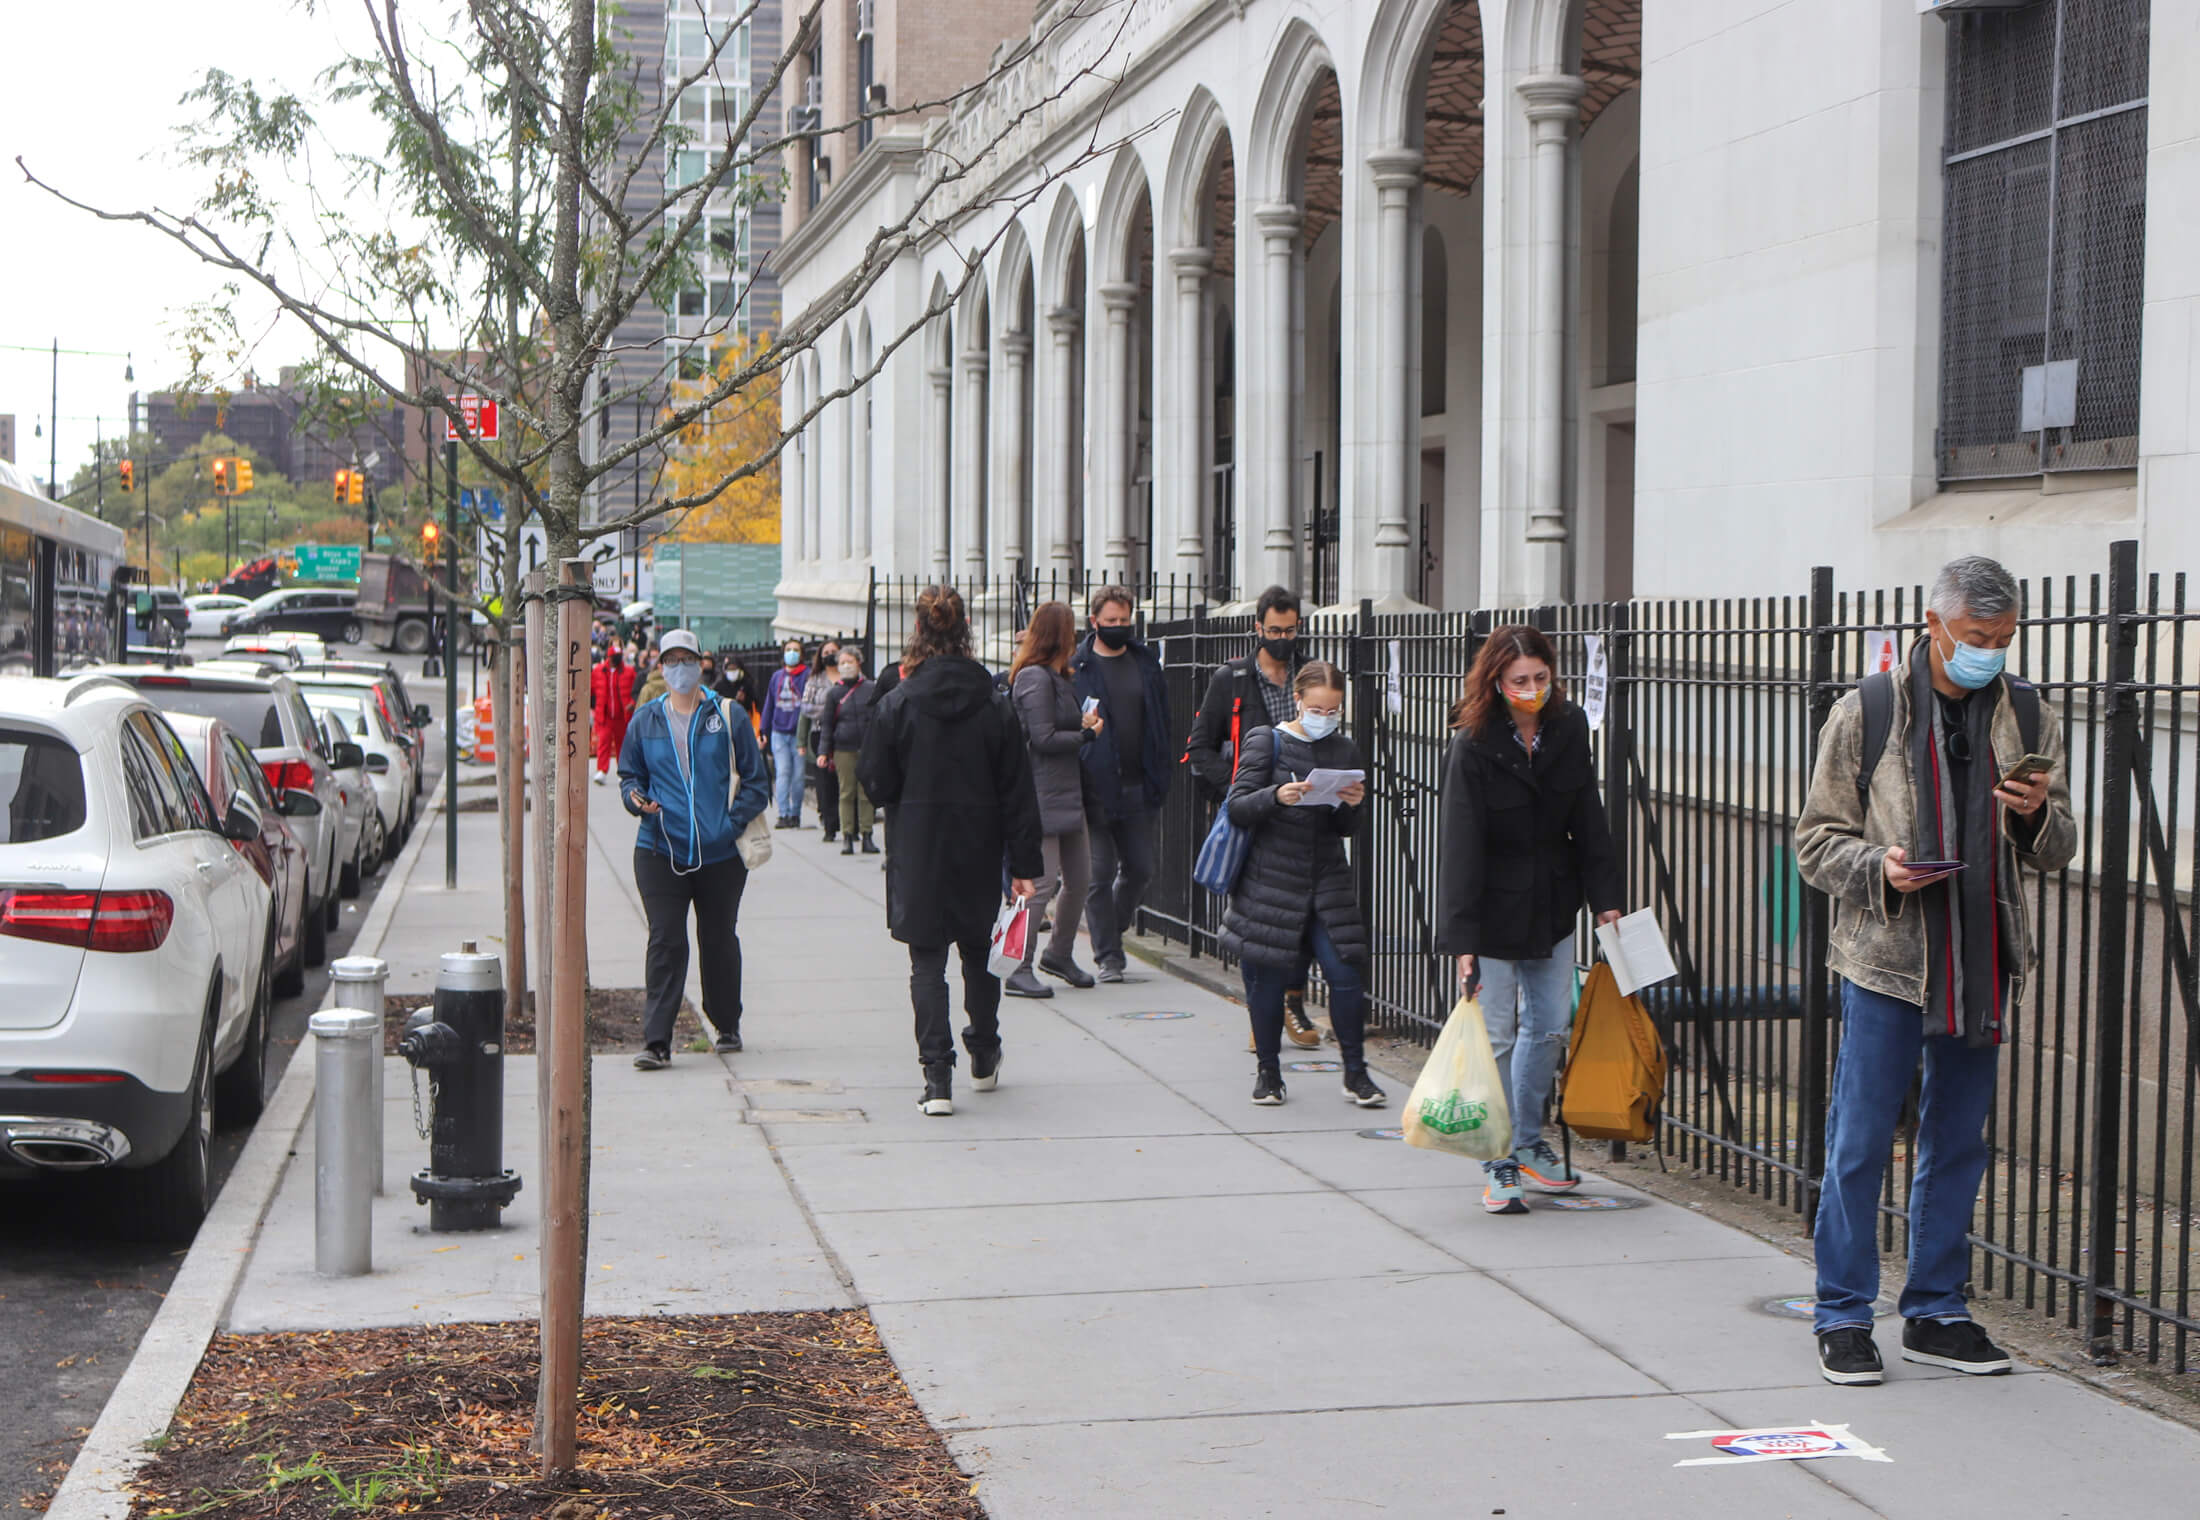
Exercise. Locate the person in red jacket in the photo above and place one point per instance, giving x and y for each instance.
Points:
(611, 695)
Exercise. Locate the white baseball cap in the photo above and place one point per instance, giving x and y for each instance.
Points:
(678, 638)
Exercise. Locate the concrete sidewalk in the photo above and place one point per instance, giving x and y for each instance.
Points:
(1122, 1290)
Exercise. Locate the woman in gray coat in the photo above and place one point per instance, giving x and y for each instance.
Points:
(1057, 733)
(1295, 899)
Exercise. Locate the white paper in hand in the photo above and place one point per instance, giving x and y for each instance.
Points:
(1325, 788)
(1637, 950)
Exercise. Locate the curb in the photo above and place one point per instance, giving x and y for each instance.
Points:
(144, 1400)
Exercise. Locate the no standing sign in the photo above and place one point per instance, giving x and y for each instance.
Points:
(481, 414)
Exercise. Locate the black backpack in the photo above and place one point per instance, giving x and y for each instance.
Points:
(1876, 691)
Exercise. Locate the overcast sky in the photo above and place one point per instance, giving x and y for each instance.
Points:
(91, 104)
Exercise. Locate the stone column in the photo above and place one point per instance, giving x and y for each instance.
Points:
(1275, 481)
(1397, 172)
(943, 471)
(1186, 493)
(1554, 104)
(1112, 448)
(1062, 325)
(969, 485)
(1009, 448)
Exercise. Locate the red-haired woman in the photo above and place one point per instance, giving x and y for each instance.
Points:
(1524, 843)
(1057, 733)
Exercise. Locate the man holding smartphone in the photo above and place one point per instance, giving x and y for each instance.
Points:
(1939, 786)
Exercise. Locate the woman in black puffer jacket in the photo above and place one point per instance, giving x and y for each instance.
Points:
(1295, 897)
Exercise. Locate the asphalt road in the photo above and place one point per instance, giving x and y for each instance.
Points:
(73, 1300)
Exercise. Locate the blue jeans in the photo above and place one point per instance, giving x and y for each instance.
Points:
(1881, 1040)
(1529, 1007)
(1266, 985)
(789, 768)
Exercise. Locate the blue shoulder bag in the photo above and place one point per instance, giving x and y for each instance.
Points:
(1222, 853)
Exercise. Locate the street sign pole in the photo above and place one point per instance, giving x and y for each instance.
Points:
(450, 662)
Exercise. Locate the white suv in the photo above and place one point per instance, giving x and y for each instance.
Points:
(137, 950)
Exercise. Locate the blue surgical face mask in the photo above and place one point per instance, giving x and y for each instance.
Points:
(683, 677)
(1318, 725)
(791, 658)
(1973, 668)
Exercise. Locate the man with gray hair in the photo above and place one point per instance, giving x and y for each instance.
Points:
(1938, 785)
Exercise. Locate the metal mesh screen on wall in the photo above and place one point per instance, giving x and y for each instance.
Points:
(2043, 242)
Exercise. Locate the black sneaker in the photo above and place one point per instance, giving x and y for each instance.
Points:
(1847, 1355)
(1268, 1088)
(653, 1058)
(938, 1101)
(1024, 982)
(1066, 971)
(985, 1069)
(1359, 1089)
(728, 1042)
(1960, 1345)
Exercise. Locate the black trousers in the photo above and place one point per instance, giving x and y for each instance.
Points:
(826, 782)
(714, 892)
(928, 996)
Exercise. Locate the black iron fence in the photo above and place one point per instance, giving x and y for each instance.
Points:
(1711, 714)
(1000, 606)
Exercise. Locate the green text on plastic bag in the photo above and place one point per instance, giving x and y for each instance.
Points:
(1453, 1114)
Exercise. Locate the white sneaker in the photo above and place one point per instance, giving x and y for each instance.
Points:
(601, 777)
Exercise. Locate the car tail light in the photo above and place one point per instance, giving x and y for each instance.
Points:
(78, 1078)
(132, 921)
(288, 775)
(164, 680)
(122, 922)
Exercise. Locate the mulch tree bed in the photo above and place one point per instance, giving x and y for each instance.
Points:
(767, 1415)
(614, 1021)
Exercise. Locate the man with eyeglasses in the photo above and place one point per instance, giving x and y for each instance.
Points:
(1248, 693)
(1940, 786)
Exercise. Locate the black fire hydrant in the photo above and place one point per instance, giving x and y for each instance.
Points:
(459, 1043)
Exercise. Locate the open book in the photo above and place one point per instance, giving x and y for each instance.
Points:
(1636, 948)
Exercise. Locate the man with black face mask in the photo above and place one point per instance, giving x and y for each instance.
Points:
(1252, 692)
(1128, 767)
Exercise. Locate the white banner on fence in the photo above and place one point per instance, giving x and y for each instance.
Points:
(1394, 691)
(1599, 678)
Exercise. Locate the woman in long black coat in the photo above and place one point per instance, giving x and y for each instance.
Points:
(945, 757)
(1295, 898)
(1524, 843)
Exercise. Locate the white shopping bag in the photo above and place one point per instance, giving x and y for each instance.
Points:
(1011, 937)
(1458, 1103)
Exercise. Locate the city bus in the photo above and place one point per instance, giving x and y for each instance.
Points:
(62, 580)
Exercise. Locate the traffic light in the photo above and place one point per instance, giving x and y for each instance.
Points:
(221, 477)
(129, 476)
(244, 475)
(342, 484)
(431, 539)
(356, 491)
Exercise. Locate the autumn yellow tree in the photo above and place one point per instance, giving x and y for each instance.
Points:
(717, 444)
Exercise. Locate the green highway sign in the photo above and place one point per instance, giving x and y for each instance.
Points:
(326, 562)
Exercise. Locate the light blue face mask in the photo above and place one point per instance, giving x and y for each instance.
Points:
(683, 677)
(1973, 668)
(1318, 725)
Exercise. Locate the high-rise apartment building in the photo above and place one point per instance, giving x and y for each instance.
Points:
(735, 291)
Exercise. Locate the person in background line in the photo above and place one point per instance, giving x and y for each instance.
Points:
(841, 729)
(1253, 691)
(945, 756)
(1128, 761)
(1296, 899)
(1058, 735)
(824, 680)
(611, 695)
(649, 677)
(782, 717)
(677, 773)
(1931, 963)
(1523, 841)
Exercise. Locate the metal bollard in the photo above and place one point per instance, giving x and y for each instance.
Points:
(462, 1049)
(347, 1054)
(359, 982)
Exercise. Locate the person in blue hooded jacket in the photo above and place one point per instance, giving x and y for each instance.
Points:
(678, 773)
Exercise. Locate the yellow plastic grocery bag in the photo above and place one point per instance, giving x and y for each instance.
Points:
(1458, 1103)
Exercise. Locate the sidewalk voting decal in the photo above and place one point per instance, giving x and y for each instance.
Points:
(1777, 1443)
